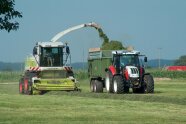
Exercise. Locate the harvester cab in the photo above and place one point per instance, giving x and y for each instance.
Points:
(51, 54)
(48, 69)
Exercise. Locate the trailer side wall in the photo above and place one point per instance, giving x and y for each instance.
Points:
(98, 61)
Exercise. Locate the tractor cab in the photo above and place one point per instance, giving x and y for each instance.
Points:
(51, 54)
(127, 58)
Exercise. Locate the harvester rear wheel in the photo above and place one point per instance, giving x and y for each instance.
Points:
(98, 86)
(149, 84)
(109, 82)
(118, 84)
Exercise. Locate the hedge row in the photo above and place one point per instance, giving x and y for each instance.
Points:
(167, 74)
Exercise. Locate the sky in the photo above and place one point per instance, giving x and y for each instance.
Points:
(157, 28)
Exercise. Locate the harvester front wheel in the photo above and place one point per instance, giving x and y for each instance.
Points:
(26, 86)
(20, 88)
(98, 86)
(118, 84)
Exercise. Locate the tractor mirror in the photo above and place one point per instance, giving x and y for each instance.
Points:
(145, 59)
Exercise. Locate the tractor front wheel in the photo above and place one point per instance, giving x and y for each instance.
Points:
(118, 84)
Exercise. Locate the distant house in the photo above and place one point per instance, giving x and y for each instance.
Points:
(176, 68)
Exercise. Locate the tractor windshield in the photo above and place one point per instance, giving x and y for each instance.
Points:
(51, 56)
(129, 59)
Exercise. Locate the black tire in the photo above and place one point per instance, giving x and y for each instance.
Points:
(148, 84)
(27, 88)
(109, 82)
(92, 82)
(118, 84)
(98, 86)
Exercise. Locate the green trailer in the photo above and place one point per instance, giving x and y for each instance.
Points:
(117, 71)
(98, 61)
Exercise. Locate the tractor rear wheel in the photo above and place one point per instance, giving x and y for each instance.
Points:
(118, 84)
(109, 82)
(98, 86)
(149, 84)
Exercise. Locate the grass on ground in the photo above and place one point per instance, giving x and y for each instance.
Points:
(166, 105)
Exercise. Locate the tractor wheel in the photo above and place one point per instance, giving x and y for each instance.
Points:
(108, 82)
(98, 86)
(118, 84)
(20, 88)
(149, 84)
(92, 82)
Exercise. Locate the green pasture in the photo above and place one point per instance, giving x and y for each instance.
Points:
(166, 106)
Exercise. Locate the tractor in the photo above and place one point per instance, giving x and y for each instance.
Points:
(117, 71)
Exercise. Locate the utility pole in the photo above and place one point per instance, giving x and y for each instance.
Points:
(159, 57)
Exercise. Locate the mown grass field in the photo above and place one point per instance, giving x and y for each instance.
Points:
(166, 105)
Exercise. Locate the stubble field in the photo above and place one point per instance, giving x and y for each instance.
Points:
(166, 105)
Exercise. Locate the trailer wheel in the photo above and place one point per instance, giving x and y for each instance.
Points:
(20, 88)
(108, 82)
(118, 84)
(98, 86)
(92, 82)
(149, 84)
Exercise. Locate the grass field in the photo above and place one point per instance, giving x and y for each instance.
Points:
(166, 105)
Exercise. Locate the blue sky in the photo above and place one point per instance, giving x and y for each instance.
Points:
(145, 24)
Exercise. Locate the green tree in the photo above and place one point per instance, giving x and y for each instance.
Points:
(181, 61)
(7, 15)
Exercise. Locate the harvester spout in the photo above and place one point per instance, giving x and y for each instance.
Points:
(61, 34)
